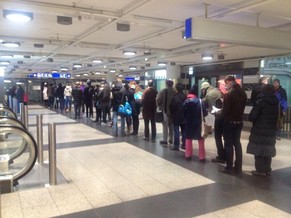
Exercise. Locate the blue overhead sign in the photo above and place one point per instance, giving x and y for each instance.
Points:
(188, 28)
(50, 75)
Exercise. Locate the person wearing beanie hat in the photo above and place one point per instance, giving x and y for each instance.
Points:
(234, 103)
(281, 95)
(212, 96)
(163, 100)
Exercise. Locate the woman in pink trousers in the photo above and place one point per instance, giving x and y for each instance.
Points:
(193, 122)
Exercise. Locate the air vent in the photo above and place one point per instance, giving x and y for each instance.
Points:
(29, 69)
(173, 63)
(89, 65)
(36, 45)
(19, 62)
(142, 67)
(50, 60)
(220, 57)
(148, 65)
(122, 27)
(64, 20)
(26, 56)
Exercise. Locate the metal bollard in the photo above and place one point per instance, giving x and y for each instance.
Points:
(25, 114)
(22, 117)
(52, 154)
(39, 135)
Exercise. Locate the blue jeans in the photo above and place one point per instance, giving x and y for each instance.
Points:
(77, 110)
(177, 135)
(231, 134)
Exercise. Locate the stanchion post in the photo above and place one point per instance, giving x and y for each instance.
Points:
(25, 116)
(52, 154)
(39, 135)
(22, 117)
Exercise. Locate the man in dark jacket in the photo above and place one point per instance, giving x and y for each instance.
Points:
(233, 109)
(104, 97)
(78, 97)
(88, 99)
(164, 98)
(149, 110)
(116, 101)
(176, 108)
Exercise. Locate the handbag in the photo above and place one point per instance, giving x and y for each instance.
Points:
(205, 129)
(159, 116)
(125, 110)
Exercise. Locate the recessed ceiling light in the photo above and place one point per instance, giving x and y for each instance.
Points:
(112, 71)
(129, 53)
(132, 67)
(97, 61)
(161, 64)
(97, 73)
(4, 62)
(54, 71)
(77, 65)
(64, 68)
(77, 75)
(18, 16)
(6, 56)
(85, 74)
(207, 57)
(11, 44)
(7, 81)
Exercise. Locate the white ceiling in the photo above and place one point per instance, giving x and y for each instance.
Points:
(155, 25)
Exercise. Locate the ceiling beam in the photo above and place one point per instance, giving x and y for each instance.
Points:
(217, 31)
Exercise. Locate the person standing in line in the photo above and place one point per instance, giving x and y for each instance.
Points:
(234, 103)
(193, 124)
(97, 104)
(50, 93)
(258, 89)
(19, 95)
(45, 95)
(262, 139)
(176, 108)
(149, 108)
(212, 97)
(282, 97)
(164, 99)
(88, 99)
(77, 96)
(104, 97)
(60, 95)
(135, 105)
(116, 101)
(68, 97)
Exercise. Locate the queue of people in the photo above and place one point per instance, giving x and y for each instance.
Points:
(184, 116)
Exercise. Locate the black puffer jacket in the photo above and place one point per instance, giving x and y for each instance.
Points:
(263, 134)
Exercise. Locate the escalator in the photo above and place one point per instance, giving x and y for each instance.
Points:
(18, 149)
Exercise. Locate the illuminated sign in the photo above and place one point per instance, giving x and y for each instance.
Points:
(50, 75)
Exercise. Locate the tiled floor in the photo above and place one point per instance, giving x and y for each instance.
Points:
(104, 176)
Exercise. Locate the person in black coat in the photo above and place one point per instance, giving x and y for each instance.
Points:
(263, 133)
(176, 108)
(135, 105)
(78, 98)
(149, 108)
(116, 101)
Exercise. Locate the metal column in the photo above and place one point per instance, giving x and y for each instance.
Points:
(52, 154)
(39, 134)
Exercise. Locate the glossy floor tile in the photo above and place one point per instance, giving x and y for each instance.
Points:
(104, 176)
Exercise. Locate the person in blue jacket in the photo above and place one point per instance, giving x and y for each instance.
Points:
(282, 97)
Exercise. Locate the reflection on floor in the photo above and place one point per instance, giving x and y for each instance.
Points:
(104, 176)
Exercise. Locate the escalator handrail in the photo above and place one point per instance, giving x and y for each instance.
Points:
(12, 121)
(30, 143)
(21, 148)
(10, 113)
